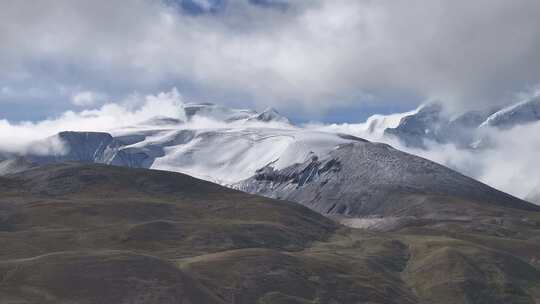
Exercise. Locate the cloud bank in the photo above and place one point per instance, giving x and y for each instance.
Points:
(22, 137)
(510, 165)
(310, 55)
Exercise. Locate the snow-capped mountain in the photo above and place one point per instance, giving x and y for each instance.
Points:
(263, 153)
(430, 123)
(374, 126)
(521, 113)
(426, 124)
(214, 143)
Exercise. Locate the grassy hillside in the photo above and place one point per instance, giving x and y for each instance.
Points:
(73, 233)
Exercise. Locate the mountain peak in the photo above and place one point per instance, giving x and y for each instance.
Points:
(271, 115)
(523, 112)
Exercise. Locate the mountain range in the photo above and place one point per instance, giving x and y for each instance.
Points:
(264, 153)
(431, 123)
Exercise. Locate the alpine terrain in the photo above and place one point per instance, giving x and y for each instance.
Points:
(345, 220)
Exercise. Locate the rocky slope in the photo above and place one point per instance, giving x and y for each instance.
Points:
(369, 179)
(224, 154)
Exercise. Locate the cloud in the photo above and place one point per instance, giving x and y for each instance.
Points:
(27, 136)
(310, 55)
(511, 164)
(87, 98)
(134, 111)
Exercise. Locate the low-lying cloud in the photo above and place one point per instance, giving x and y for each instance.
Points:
(87, 98)
(510, 164)
(26, 137)
(133, 112)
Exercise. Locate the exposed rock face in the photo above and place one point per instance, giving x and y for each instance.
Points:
(423, 125)
(363, 178)
(87, 147)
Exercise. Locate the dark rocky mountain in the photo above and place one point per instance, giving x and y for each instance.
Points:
(87, 233)
(90, 147)
(102, 148)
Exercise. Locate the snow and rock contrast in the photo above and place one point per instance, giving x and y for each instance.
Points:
(213, 143)
(466, 130)
(431, 124)
(365, 179)
(524, 112)
(263, 153)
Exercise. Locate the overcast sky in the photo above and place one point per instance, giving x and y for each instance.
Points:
(337, 60)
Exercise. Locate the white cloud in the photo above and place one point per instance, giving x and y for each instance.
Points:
(510, 165)
(20, 137)
(316, 54)
(87, 98)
